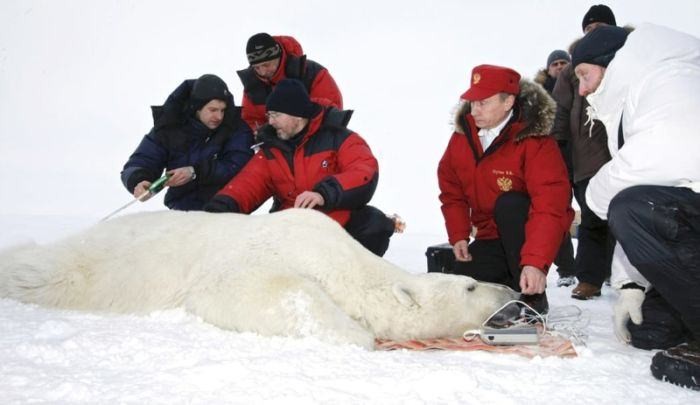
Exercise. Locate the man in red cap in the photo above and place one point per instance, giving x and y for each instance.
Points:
(503, 176)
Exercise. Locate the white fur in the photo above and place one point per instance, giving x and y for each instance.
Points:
(292, 273)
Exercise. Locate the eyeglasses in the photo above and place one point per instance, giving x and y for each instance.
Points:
(272, 115)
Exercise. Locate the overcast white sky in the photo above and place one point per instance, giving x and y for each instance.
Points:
(76, 82)
(77, 79)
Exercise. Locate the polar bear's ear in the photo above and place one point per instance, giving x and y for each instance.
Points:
(404, 295)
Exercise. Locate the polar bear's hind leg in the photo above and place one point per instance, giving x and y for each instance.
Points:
(277, 303)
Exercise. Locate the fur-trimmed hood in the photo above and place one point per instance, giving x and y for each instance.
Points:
(541, 77)
(533, 106)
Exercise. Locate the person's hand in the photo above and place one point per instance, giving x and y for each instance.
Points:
(628, 306)
(532, 280)
(180, 176)
(221, 203)
(141, 188)
(308, 199)
(461, 251)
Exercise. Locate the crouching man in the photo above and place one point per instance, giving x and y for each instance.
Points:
(309, 159)
(644, 87)
(503, 174)
(198, 138)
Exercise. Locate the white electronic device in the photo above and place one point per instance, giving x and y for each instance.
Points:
(526, 335)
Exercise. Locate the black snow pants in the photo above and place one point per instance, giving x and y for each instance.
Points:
(372, 228)
(595, 245)
(658, 227)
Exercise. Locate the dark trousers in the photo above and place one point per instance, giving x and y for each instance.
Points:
(662, 327)
(372, 228)
(595, 243)
(566, 264)
(498, 260)
(659, 230)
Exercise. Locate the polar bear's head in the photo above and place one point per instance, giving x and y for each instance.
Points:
(438, 305)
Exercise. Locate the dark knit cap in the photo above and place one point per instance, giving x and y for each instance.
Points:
(208, 87)
(262, 48)
(598, 13)
(290, 97)
(599, 46)
(558, 55)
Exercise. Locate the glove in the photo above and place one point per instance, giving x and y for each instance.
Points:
(628, 306)
(221, 203)
(265, 133)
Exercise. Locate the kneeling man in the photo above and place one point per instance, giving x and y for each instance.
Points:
(644, 87)
(309, 159)
(503, 174)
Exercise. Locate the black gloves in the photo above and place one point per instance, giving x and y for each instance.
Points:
(221, 203)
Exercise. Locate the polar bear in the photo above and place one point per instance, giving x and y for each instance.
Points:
(292, 273)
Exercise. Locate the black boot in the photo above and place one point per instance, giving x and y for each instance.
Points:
(679, 365)
(538, 302)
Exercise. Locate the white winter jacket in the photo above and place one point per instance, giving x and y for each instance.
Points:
(655, 79)
(653, 83)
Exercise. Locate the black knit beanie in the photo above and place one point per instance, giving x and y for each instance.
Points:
(599, 46)
(558, 55)
(290, 97)
(208, 87)
(598, 13)
(262, 48)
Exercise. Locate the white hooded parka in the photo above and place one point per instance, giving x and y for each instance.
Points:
(652, 86)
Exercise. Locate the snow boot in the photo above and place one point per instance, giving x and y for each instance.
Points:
(566, 281)
(679, 365)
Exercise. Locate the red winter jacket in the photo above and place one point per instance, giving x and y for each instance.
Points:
(330, 159)
(522, 158)
(294, 65)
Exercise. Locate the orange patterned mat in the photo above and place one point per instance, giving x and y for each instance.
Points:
(549, 345)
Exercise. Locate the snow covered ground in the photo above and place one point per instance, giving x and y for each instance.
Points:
(76, 81)
(56, 356)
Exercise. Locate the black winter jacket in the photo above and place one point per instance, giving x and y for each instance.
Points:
(179, 139)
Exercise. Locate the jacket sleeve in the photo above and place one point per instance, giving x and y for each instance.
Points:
(550, 213)
(623, 272)
(661, 140)
(563, 94)
(325, 91)
(234, 154)
(358, 173)
(146, 163)
(455, 205)
(252, 114)
(564, 97)
(251, 187)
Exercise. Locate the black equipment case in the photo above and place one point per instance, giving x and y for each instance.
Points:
(441, 258)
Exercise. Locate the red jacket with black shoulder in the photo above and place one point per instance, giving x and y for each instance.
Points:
(328, 158)
(293, 65)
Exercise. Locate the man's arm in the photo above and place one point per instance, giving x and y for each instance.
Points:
(325, 91)
(251, 187)
(661, 142)
(146, 163)
(455, 206)
(550, 214)
(354, 184)
(253, 115)
(229, 161)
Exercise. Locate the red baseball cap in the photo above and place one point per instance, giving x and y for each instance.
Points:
(488, 80)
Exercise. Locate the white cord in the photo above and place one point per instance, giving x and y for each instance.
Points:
(523, 320)
(570, 322)
(567, 321)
